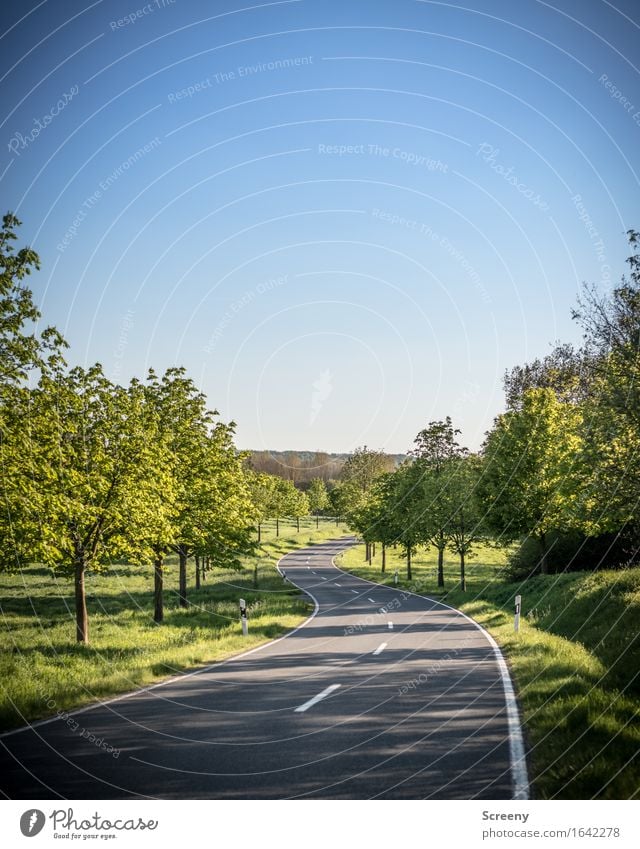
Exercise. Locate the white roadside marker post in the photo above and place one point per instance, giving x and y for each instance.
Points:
(516, 618)
(243, 617)
(395, 578)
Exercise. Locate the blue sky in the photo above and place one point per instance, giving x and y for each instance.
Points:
(344, 218)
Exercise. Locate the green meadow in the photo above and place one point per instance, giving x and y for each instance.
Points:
(43, 670)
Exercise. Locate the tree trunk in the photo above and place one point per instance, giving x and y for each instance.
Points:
(158, 576)
(544, 563)
(259, 534)
(197, 572)
(205, 567)
(277, 527)
(373, 553)
(463, 577)
(409, 575)
(384, 557)
(298, 523)
(255, 576)
(182, 554)
(82, 619)
(317, 521)
(441, 567)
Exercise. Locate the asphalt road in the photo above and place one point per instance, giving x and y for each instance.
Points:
(381, 694)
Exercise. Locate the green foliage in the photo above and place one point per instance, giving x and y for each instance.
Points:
(528, 480)
(568, 551)
(285, 499)
(20, 348)
(318, 496)
(94, 471)
(91, 450)
(358, 475)
(261, 487)
(430, 500)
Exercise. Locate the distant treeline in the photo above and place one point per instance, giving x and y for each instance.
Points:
(301, 467)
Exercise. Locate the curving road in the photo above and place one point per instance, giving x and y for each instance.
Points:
(381, 694)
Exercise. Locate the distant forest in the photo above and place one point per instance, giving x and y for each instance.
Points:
(301, 467)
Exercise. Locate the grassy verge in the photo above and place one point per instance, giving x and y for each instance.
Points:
(575, 664)
(42, 671)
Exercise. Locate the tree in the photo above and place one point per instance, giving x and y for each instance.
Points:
(339, 499)
(435, 493)
(300, 507)
(362, 468)
(376, 520)
(612, 323)
(610, 455)
(318, 497)
(228, 508)
(567, 371)
(359, 473)
(284, 501)
(21, 350)
(261, 487)
(465, 525)
(185, 423)
(90, 458)
(528, 480)
(401, 497)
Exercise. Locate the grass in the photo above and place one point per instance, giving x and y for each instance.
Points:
(575, 663)
(43, 671)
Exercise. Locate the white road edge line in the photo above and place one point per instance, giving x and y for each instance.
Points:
(316, 699)
(518, 758)
(380, 648)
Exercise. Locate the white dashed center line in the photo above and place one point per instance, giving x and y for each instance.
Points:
(380, 648)
(316, 699)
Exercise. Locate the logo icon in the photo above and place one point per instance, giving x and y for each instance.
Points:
(32, 822)
(322, 389)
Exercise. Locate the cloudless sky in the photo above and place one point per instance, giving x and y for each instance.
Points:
(345, 218)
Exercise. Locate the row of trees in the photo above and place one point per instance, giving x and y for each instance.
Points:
(428, 501)
(562, 460)
(93, 471)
